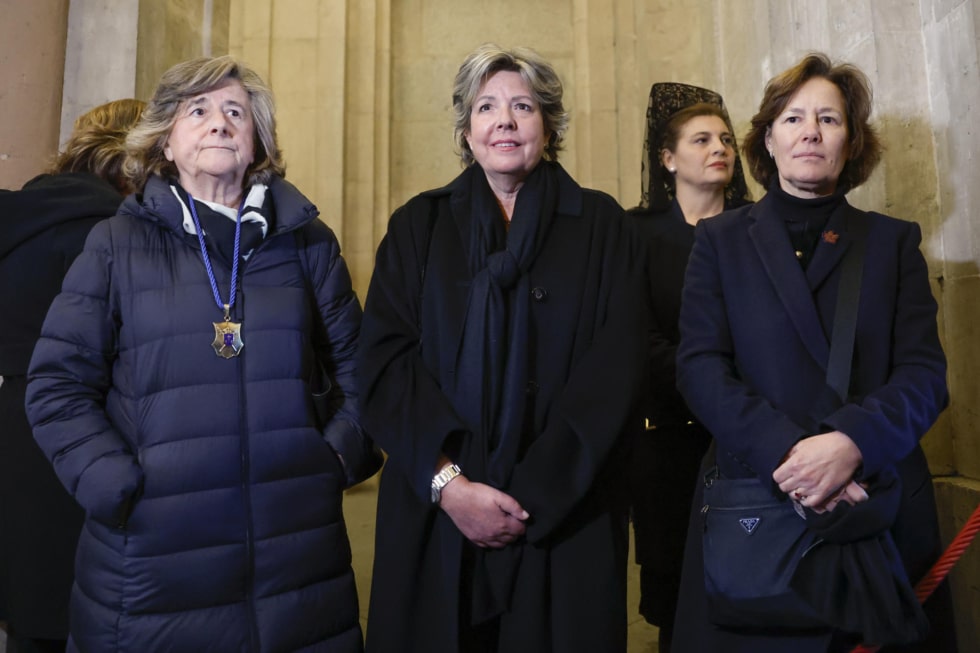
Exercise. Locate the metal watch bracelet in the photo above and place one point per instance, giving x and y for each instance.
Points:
(440, 480)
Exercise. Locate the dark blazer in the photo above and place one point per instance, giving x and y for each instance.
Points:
(585, 353)
(752, 366)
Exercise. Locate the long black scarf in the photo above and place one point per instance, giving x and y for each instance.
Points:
(853, 577)
(492, 356)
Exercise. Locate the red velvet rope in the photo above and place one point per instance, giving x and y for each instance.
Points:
(925, 587)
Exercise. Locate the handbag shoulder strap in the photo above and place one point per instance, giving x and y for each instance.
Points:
(845, 313)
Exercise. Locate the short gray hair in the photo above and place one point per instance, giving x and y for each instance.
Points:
(541, 79)
(145, 143)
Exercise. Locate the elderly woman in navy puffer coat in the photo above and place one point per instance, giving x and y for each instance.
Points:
(171, 391)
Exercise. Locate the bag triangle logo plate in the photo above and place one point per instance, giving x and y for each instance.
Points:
(749, 524)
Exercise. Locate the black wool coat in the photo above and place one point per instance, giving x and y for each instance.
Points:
(42, 229)
(670, 443)
(586, 353)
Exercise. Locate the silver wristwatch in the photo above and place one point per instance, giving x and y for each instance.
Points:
(440, 480)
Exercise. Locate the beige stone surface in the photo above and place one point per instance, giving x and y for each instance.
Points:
(962, 321)
(938, 443)
(113, 63)
(168, 32)
(958, 499)
(32, 59)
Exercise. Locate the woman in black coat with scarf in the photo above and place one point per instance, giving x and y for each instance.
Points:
(503, 333)
(691, 171)
(759, 333)
(42, 229)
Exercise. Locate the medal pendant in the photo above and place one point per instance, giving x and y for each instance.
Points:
(227, 338)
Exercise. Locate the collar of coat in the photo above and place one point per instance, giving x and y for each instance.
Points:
(569, 192)
(796, 289)
(158, 203)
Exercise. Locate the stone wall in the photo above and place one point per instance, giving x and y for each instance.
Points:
(111, 60)
(32, 62)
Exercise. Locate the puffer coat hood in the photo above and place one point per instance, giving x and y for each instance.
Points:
(42, 229)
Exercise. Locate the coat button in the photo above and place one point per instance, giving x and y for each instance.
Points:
(539, 294)
(531, 389)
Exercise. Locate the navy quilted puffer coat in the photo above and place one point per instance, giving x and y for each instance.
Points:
(212, 500)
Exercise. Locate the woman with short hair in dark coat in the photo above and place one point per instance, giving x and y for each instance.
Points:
(501, 348)
(758, 328)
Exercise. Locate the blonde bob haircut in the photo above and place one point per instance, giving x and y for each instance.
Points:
(145, 143)
(864, 148)
(97, 144)
(538, 74)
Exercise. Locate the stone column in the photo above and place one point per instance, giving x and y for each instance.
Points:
(100, 61)
(328, 65)
(171, 31)
(32, 61)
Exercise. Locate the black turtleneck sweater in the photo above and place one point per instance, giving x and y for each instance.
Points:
(805, 219)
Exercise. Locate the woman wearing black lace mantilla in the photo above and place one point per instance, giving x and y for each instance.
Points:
(691, 172)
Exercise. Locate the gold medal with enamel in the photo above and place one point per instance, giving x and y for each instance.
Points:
(227, 338)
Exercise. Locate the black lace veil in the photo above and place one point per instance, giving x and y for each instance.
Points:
(666, 99)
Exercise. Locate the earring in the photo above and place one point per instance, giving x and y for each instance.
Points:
(771, 155)
(671, 170)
